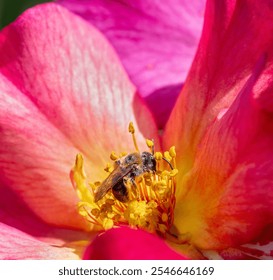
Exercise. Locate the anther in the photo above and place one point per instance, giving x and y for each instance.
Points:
(167, 156)
(113, 156)
(173, 172)
(172, 152)
(108, 168)
(150, 144)
(158, 156)
(131, 128)
(95, 212)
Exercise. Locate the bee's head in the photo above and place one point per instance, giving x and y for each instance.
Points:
(149, 162)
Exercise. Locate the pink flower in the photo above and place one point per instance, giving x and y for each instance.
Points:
(61, 93)
(64, 92)
(155, 40)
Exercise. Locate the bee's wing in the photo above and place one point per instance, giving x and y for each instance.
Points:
(115, 177)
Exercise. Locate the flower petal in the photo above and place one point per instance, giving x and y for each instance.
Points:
(129, 244)
(35, 160)
(63, 91)
(230, 45)
(261, 249)
(157, 59)
(227, 196)
(16, 214)
(15, 244)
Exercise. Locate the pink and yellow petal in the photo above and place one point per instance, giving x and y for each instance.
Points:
(61, 93)
(225, 200)
(35, 159)
(230, 45)
(14, 213)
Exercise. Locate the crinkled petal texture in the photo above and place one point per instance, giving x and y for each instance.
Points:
(155, 40)
(129, 244)
(62, 91)
(222, 128)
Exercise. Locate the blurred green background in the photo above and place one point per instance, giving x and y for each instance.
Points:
(11, 9)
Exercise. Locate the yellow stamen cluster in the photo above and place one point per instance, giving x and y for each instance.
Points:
(151, 201)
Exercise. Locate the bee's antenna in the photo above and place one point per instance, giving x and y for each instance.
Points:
(168, 162)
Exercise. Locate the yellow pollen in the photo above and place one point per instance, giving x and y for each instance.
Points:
(146, 201)
(172, 152)
(109, 168)
(158, 156)
(149, 143)
(131, 128)
(167, 156)
(173, 172)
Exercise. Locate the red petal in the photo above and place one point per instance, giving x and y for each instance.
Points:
(129, 244)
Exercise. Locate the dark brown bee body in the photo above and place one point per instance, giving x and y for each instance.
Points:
(124, 174)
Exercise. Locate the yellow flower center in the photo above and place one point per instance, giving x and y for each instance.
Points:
(135, 192)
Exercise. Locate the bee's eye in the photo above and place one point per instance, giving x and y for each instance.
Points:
(145, 155)
(129, 159)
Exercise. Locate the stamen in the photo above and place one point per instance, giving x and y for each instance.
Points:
(150, 196)
(132, 131)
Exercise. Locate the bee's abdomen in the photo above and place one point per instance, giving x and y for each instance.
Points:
(120, 192)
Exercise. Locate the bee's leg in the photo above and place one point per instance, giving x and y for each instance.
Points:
(117, 163)
(131, 185)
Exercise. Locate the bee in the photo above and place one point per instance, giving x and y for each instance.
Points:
(126, 169)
